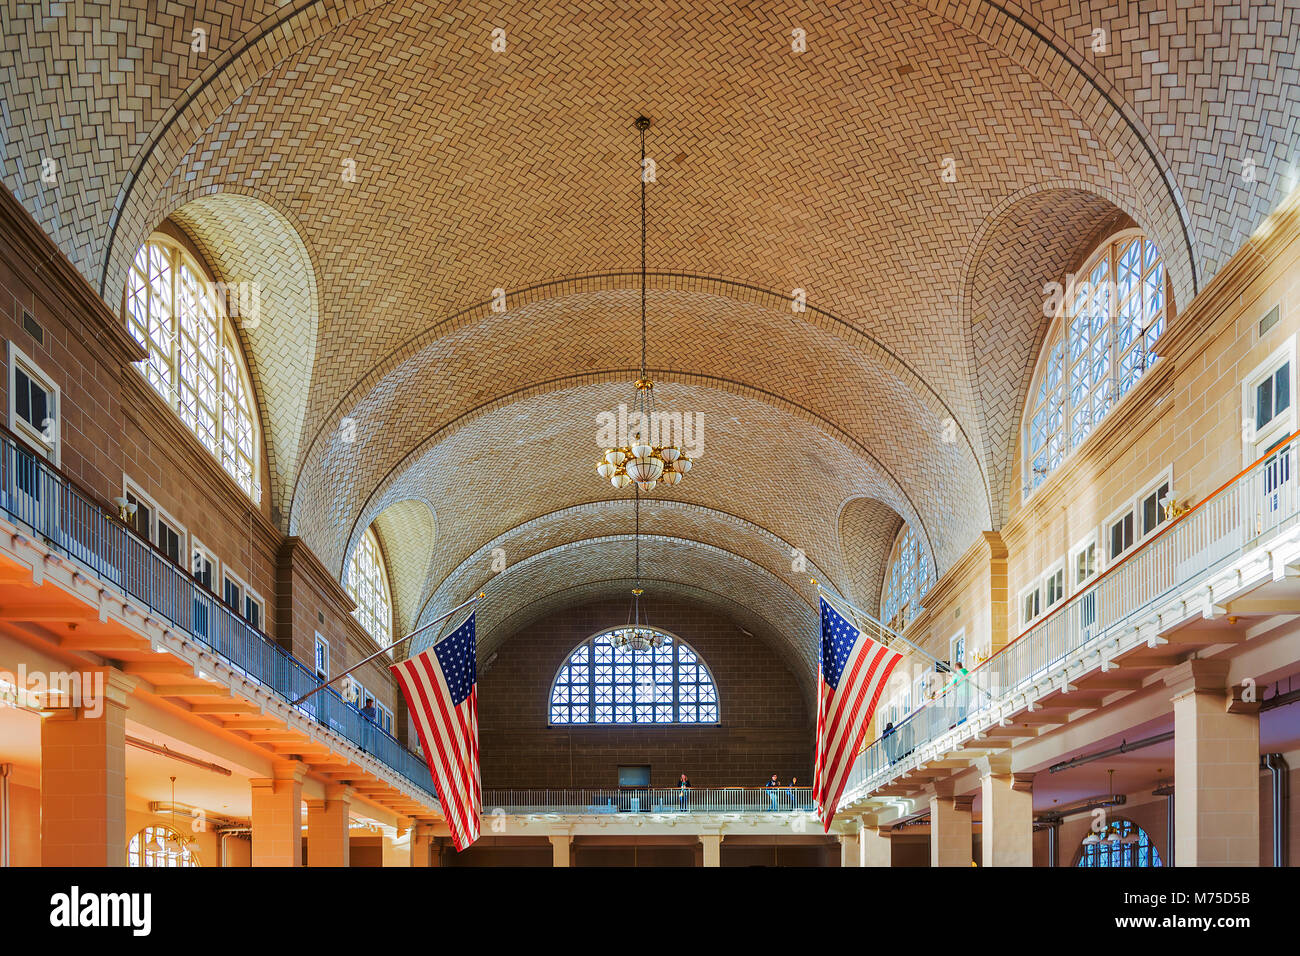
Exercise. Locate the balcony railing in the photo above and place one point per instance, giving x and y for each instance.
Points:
(1260, 502)
(40, 498)
(657, 800)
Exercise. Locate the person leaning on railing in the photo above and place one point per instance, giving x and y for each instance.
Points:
(773, 788)
(683, 786)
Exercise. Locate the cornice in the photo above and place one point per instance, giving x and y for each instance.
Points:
(295, 554)
(52, 277)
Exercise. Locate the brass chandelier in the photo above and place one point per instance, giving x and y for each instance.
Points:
(641, 462)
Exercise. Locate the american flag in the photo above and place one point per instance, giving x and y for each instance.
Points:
(442, 699)
(853, 671)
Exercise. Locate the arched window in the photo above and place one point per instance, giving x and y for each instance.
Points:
(367, 585)
(178, 314)
(603, 684)
(1122, 844)
(1101, 342)
(161, 846)
(907, 581)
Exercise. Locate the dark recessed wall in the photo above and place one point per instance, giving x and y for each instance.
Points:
(766, 726)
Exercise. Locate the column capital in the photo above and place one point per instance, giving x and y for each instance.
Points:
(963, 802)
(994, 765)
(1197, 676)
(1022, 782)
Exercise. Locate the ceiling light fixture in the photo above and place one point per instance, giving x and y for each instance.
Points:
(638, 635)
(643, 461)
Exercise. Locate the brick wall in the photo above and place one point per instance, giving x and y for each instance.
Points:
(765, 726)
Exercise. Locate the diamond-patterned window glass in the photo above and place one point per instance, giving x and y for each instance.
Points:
(367, 585)
(907, 581)
(602, 684)
(1103, 340)
(195, 362)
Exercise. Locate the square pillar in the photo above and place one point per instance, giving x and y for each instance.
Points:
(1216, 768)
(849, 851)
(712, 843)
(422, 846)
(951, 842)
(83, 772)
(559, 849)
(277, 816)
(875, 846)
(397, 849)
(1007, 826)
(328, 835)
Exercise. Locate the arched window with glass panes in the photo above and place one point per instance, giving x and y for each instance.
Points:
(367, 585)
(1102, 340)
(195, 362)
(161, 846)
(599, 683)
(1121, 844)
(907, 579)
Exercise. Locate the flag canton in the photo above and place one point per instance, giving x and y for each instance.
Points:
(456, 658)
(838, 638)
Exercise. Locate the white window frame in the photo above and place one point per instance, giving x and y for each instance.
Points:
(1254, 443)
(1064, 590)
(953, 658)
(198, 547)
(1026, 620)
(245, 592)
(1074, 585)
(322, 643)
(1127, 509)
(20, 426)
(184, 545)
(1166, 477)
(382, 715)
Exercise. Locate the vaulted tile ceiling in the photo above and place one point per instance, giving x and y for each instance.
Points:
(379, 169)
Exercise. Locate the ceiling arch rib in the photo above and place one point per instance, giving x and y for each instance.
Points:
(347, 480)
(674, 563)
(515, 627)
(610, 518)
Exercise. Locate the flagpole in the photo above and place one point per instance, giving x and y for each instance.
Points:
(942, 666)
(385, 650)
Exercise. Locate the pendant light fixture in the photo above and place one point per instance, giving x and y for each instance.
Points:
(643, 462)
(638, 635)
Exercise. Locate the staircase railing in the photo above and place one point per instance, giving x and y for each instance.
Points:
(745, 800)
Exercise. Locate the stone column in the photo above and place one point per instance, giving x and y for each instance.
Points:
(422, 846)
(1216, 768)
(328, 834)
(875, 846)
(950, 827)
(712, 843)
(397, 849)
(559, 849)
(83, 772)
(277, 816)
(849, 850)
(1007, 826)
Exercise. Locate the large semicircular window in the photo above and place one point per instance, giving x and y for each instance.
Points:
(1101, 342)
(177, 313)
(602, 684)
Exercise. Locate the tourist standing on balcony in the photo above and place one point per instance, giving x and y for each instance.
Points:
(683, 786)
(773, 788)
(372, 716)
(890, 744)
(791, 793)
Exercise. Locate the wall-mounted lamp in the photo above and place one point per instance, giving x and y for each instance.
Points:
(1173, 510)
(125, 509)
